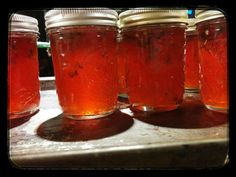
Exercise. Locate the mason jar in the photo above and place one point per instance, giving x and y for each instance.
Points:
(83, 46)
(154, 43)
(191, 83)
(212, 29)
(122, 65)
(23, 69)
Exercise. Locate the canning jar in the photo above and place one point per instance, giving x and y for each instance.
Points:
(191, 83)
(122, 65)
(212, 31)
(83, 45)
(154, 43)
(23, 72)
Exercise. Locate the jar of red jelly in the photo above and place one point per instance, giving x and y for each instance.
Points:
(83, 45)
(23, 72)
(191, 83)
(212, 29)
(154, 43)
(122, 67)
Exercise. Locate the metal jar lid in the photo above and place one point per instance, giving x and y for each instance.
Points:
(191, 24)
(203, 15)
(144, 16)
(80, 16)
(23, 23)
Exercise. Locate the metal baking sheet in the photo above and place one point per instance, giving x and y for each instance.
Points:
(191, 137)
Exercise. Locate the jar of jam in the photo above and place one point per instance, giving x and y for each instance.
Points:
(212, 29)
(191, 83)
(23, 71)
(83, 46)
(154, 43)
(122, 66)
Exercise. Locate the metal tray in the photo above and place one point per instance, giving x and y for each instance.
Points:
(190, 137)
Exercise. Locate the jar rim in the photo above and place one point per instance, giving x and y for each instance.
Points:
(61, 17)
(23, 23)
(141, 16)
(207, 14)
(191, 24)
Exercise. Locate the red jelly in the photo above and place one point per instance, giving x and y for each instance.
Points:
(213, 59)
(83, 53)
(155, 57)
(23, 82)
(122, 65)
(192, 58)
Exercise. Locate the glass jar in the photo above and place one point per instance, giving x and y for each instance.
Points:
(122, 66)
(83, 45)
(191, 83)
(23, 71)
(212, 31)
(154, 42)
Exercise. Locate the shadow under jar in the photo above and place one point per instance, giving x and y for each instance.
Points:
(212, 31)
(191, 83)
(154, 42)
(23, 72)
(83, 45)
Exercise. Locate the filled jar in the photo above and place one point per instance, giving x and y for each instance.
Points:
(122, 65)
(83, 45)
(212, 29)
(154, 42)
(191, 83)
(23, 71)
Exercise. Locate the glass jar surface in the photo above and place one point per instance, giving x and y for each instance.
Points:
(85, 69)
(213, 63)
(192, 62)
(23, 73)
(155, 65)
(122, 65)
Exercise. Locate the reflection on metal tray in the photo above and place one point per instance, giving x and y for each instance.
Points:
(190, 137)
